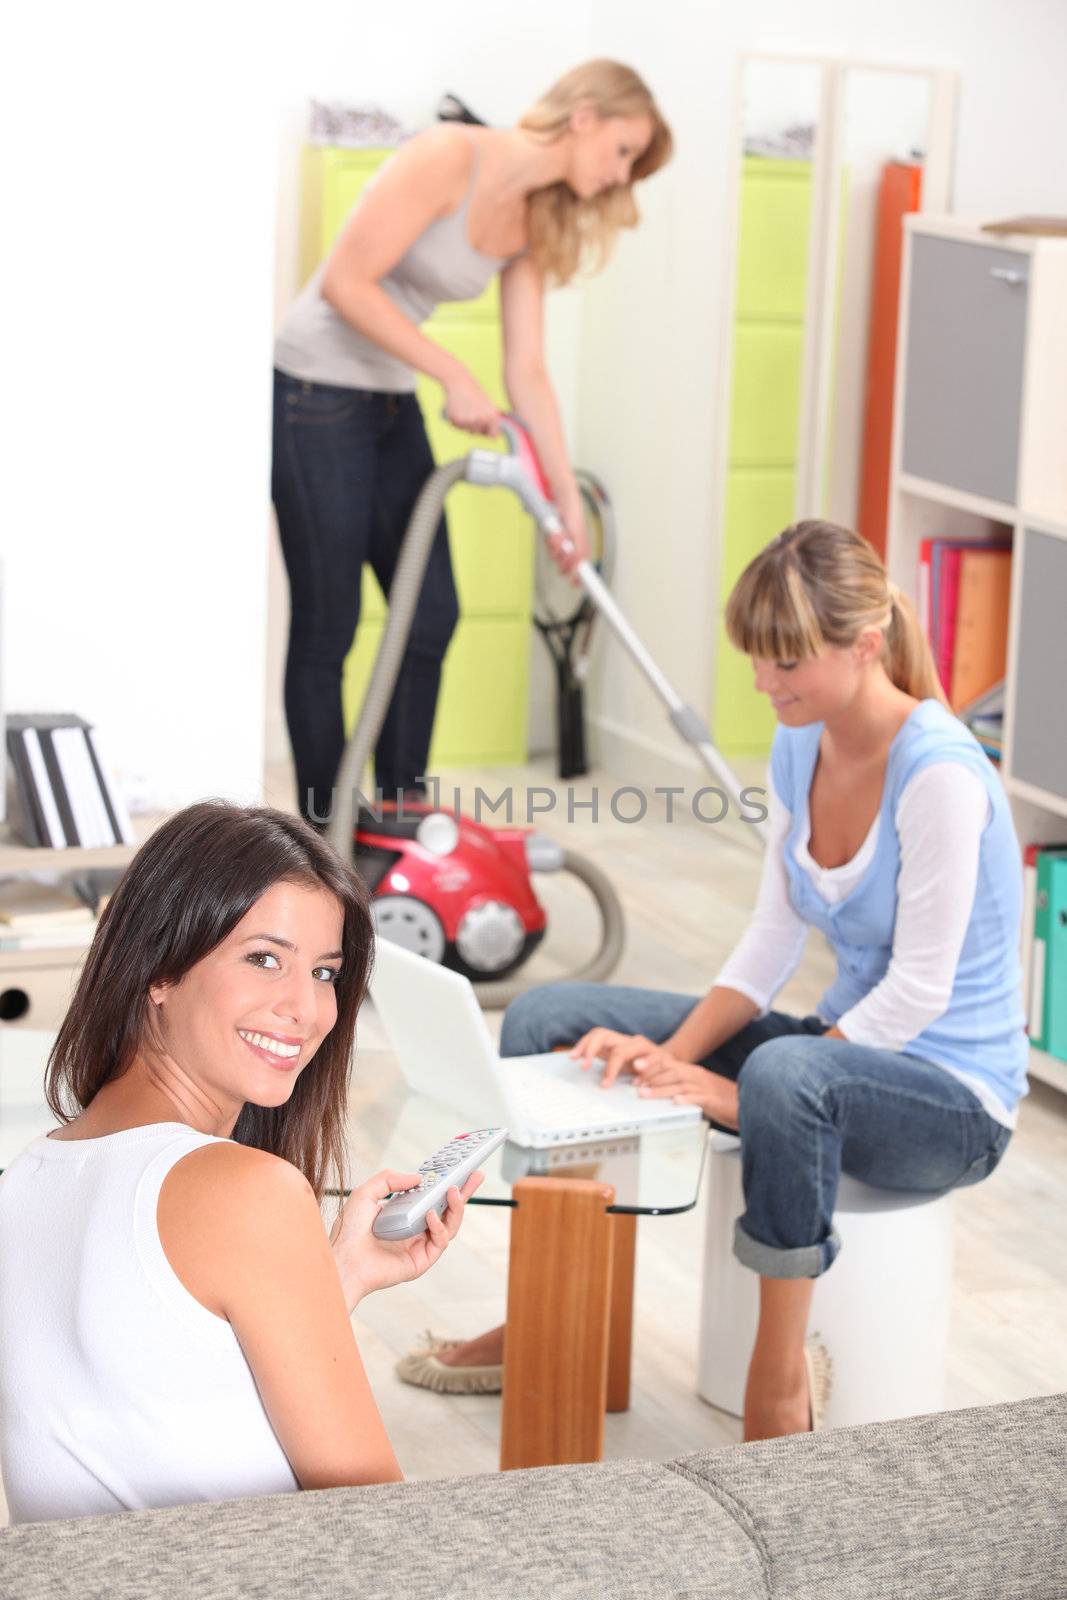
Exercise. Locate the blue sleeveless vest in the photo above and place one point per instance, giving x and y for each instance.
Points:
(981, 1032)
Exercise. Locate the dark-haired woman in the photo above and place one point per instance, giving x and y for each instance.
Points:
(174, 1320)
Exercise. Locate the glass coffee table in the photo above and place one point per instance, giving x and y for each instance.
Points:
(573, 1221)
(574, 1211)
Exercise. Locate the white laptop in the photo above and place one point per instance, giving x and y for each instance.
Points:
(437, 1029)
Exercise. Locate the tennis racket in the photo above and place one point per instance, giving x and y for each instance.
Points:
(564, 616)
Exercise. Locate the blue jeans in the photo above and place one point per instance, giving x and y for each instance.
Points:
(348, 466)
(810, 1109)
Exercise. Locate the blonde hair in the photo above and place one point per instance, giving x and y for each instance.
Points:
(568, 234)
(819, 584)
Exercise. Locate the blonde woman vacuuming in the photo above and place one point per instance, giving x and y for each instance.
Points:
(453, 208)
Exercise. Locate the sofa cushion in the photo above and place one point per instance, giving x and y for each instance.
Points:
(962, 1505)
(631, 1530)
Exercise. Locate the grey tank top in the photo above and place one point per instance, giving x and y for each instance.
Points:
(316, 343)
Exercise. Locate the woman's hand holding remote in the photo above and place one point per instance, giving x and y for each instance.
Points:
(366, 1262)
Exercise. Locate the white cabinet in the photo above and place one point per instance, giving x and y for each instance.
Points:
(980, 452)
(963, 390)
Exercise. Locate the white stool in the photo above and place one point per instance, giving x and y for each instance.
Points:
(881, 1310)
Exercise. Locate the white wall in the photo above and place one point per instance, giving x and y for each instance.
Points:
(137, 310)
(145, 150)
(150, 145)
(651, 356)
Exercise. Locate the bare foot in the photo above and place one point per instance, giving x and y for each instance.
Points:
(776, 1404)
(487, 1350)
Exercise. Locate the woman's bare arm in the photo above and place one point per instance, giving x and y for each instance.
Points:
(722, 1013)
(424, 180)
(243, 1232)
(532, 395)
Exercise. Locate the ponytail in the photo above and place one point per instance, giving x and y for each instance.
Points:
(909, 661)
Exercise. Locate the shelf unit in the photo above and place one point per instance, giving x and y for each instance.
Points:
(35, 985)
(978, 452)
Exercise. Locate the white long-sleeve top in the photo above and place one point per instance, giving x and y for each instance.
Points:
(939, 820)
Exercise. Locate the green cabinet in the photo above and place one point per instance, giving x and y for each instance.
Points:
(768, 341)
(482, 710)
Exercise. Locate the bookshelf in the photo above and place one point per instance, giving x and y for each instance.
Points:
(981, 416)
(36, 984)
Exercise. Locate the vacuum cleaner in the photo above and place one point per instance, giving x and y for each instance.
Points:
(442, 885)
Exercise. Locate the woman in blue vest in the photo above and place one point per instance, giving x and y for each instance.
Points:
(890, 833)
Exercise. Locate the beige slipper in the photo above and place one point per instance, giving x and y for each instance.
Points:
(820, 1378)
(422, 1368)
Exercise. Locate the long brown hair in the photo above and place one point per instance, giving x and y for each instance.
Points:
(819, 584)
(186, 889)
(567, 233)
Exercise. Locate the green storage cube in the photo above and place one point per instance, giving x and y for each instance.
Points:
(768, 348)
(484, 684)
(772, 255)
(765, 404)
(759, 504)
(482, 710)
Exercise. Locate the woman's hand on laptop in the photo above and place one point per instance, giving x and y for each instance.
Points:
(366, 1262)
(661, 1076)
(618, 1051)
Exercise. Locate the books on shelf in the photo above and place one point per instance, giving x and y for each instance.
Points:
(38, 915)
(964, 593)
(1044, 947)
(63, 787)
(26, 903)
(68, 937)
(985, 718)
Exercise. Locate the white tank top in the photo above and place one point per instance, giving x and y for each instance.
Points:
(118, 1389)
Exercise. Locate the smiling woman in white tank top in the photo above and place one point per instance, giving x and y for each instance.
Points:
(174, 1318)
(452, 208)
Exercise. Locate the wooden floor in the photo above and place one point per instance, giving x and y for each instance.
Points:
(687, 889)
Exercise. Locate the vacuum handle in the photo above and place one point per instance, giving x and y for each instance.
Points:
(518, 469)
(521, 445)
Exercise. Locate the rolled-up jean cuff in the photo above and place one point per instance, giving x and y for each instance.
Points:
(804, 1261)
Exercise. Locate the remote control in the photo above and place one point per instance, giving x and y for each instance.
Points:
(403, 1214)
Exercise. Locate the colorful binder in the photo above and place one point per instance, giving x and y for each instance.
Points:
(1038, 1020)
(980, 647)
(941, 567)
(1056, 960)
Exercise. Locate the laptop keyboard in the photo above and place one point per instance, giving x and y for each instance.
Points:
(550, 1103)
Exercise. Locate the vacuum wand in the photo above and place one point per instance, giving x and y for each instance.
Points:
(519, 470)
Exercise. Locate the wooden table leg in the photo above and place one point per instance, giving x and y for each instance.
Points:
(620, 1339)
(559, 1320)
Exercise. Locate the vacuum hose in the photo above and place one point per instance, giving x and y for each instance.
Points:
(612, 939)
(403, 598)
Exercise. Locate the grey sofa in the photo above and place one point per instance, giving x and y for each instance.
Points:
(966, 1505)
